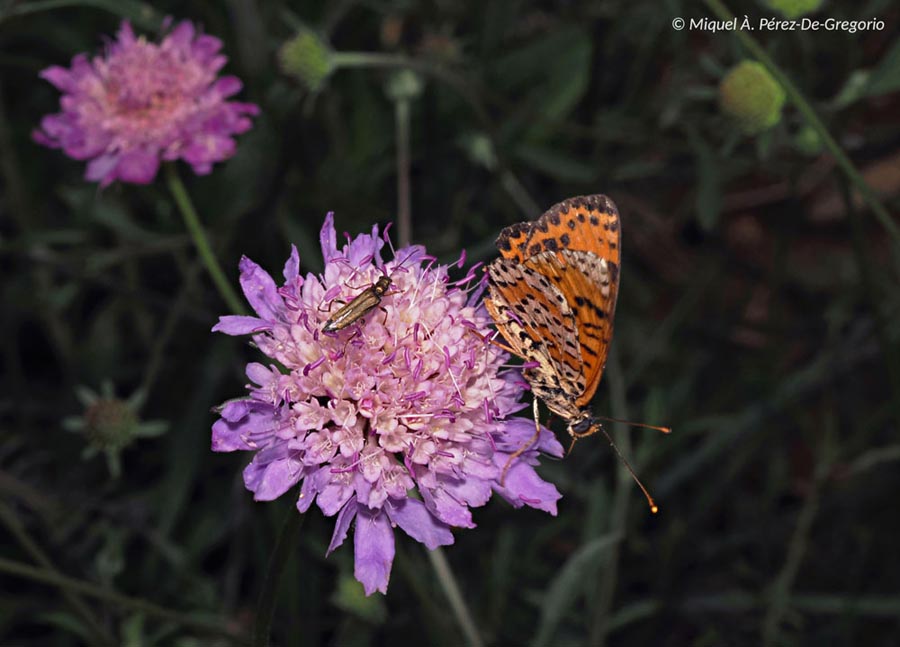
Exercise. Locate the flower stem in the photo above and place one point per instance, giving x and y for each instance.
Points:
(618, 519)
(48, 576)
(454, 596)
(201, 242)
(796, 96)
(92, 624)
(265, 608)
(780, 591)
(404, 217)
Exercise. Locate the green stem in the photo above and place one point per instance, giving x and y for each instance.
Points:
(623, 488)
(469, 93)
(47, 576)
(169, 328)
(875, 300)
(719, 8)
(779, 595)
(97, 631)
(454, 596)
(192, 222)
(265, 608)
(404, 215)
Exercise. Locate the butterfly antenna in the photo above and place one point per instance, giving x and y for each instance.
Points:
(665, 430)
(653, 507)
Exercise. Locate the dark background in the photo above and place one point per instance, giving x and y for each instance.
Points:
(757, 316)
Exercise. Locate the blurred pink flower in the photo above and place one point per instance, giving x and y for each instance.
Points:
(403, 419)
(144, 102)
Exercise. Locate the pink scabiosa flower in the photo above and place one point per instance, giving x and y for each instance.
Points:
(144, 102)
(402, 419)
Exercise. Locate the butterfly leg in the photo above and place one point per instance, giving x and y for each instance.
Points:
(524, 448)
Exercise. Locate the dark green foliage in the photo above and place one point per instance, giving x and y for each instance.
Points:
(756, 317)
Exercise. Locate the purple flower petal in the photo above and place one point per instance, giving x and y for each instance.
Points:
(328, 238)
(342, 525)
(446, 508)
(523, 486)
(60, 77)
(137, 166)
(415, 520)
(227, 437)
(260, 290)
(292, 266)
(241, 325)
(307, 494)
(272, 473)
(373, 543)
(102, 169)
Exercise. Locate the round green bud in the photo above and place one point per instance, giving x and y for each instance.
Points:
(751, 97)
(110, 423)
(807, 141)
(794, 8)
(308, 58)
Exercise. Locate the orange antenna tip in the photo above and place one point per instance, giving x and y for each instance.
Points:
(665, 430)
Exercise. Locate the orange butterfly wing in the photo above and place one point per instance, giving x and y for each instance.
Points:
(575, 245)
(584, 223)
(590, 284)
(535, 319)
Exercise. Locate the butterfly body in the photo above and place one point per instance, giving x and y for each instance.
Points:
(552, 294)
(359, 306)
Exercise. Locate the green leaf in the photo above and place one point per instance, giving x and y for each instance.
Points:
(553, 70)
(556, 165)
(140, 14)
(351, 597)
(853, 89)
(886, 76)
(709, 182)
(565, 589)
(67, 622)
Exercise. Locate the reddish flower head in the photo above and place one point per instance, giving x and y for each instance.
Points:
(144, 102)
(402, 419)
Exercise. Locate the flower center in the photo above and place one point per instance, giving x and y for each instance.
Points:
(148, 92)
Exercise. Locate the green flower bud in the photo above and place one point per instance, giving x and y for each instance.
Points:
(794, 8)
(807, 141)
(404, 85)
(110, 424)
(308, 58)
(751, 97)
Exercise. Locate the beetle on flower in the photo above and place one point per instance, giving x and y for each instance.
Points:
(404, 420)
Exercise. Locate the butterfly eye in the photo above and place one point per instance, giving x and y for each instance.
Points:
(585, 427)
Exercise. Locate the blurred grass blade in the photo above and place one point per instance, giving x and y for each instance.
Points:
(139, 13)
(569, 585)
(709, 189)
(885, 78)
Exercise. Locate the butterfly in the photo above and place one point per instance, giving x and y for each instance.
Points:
(552, 295)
